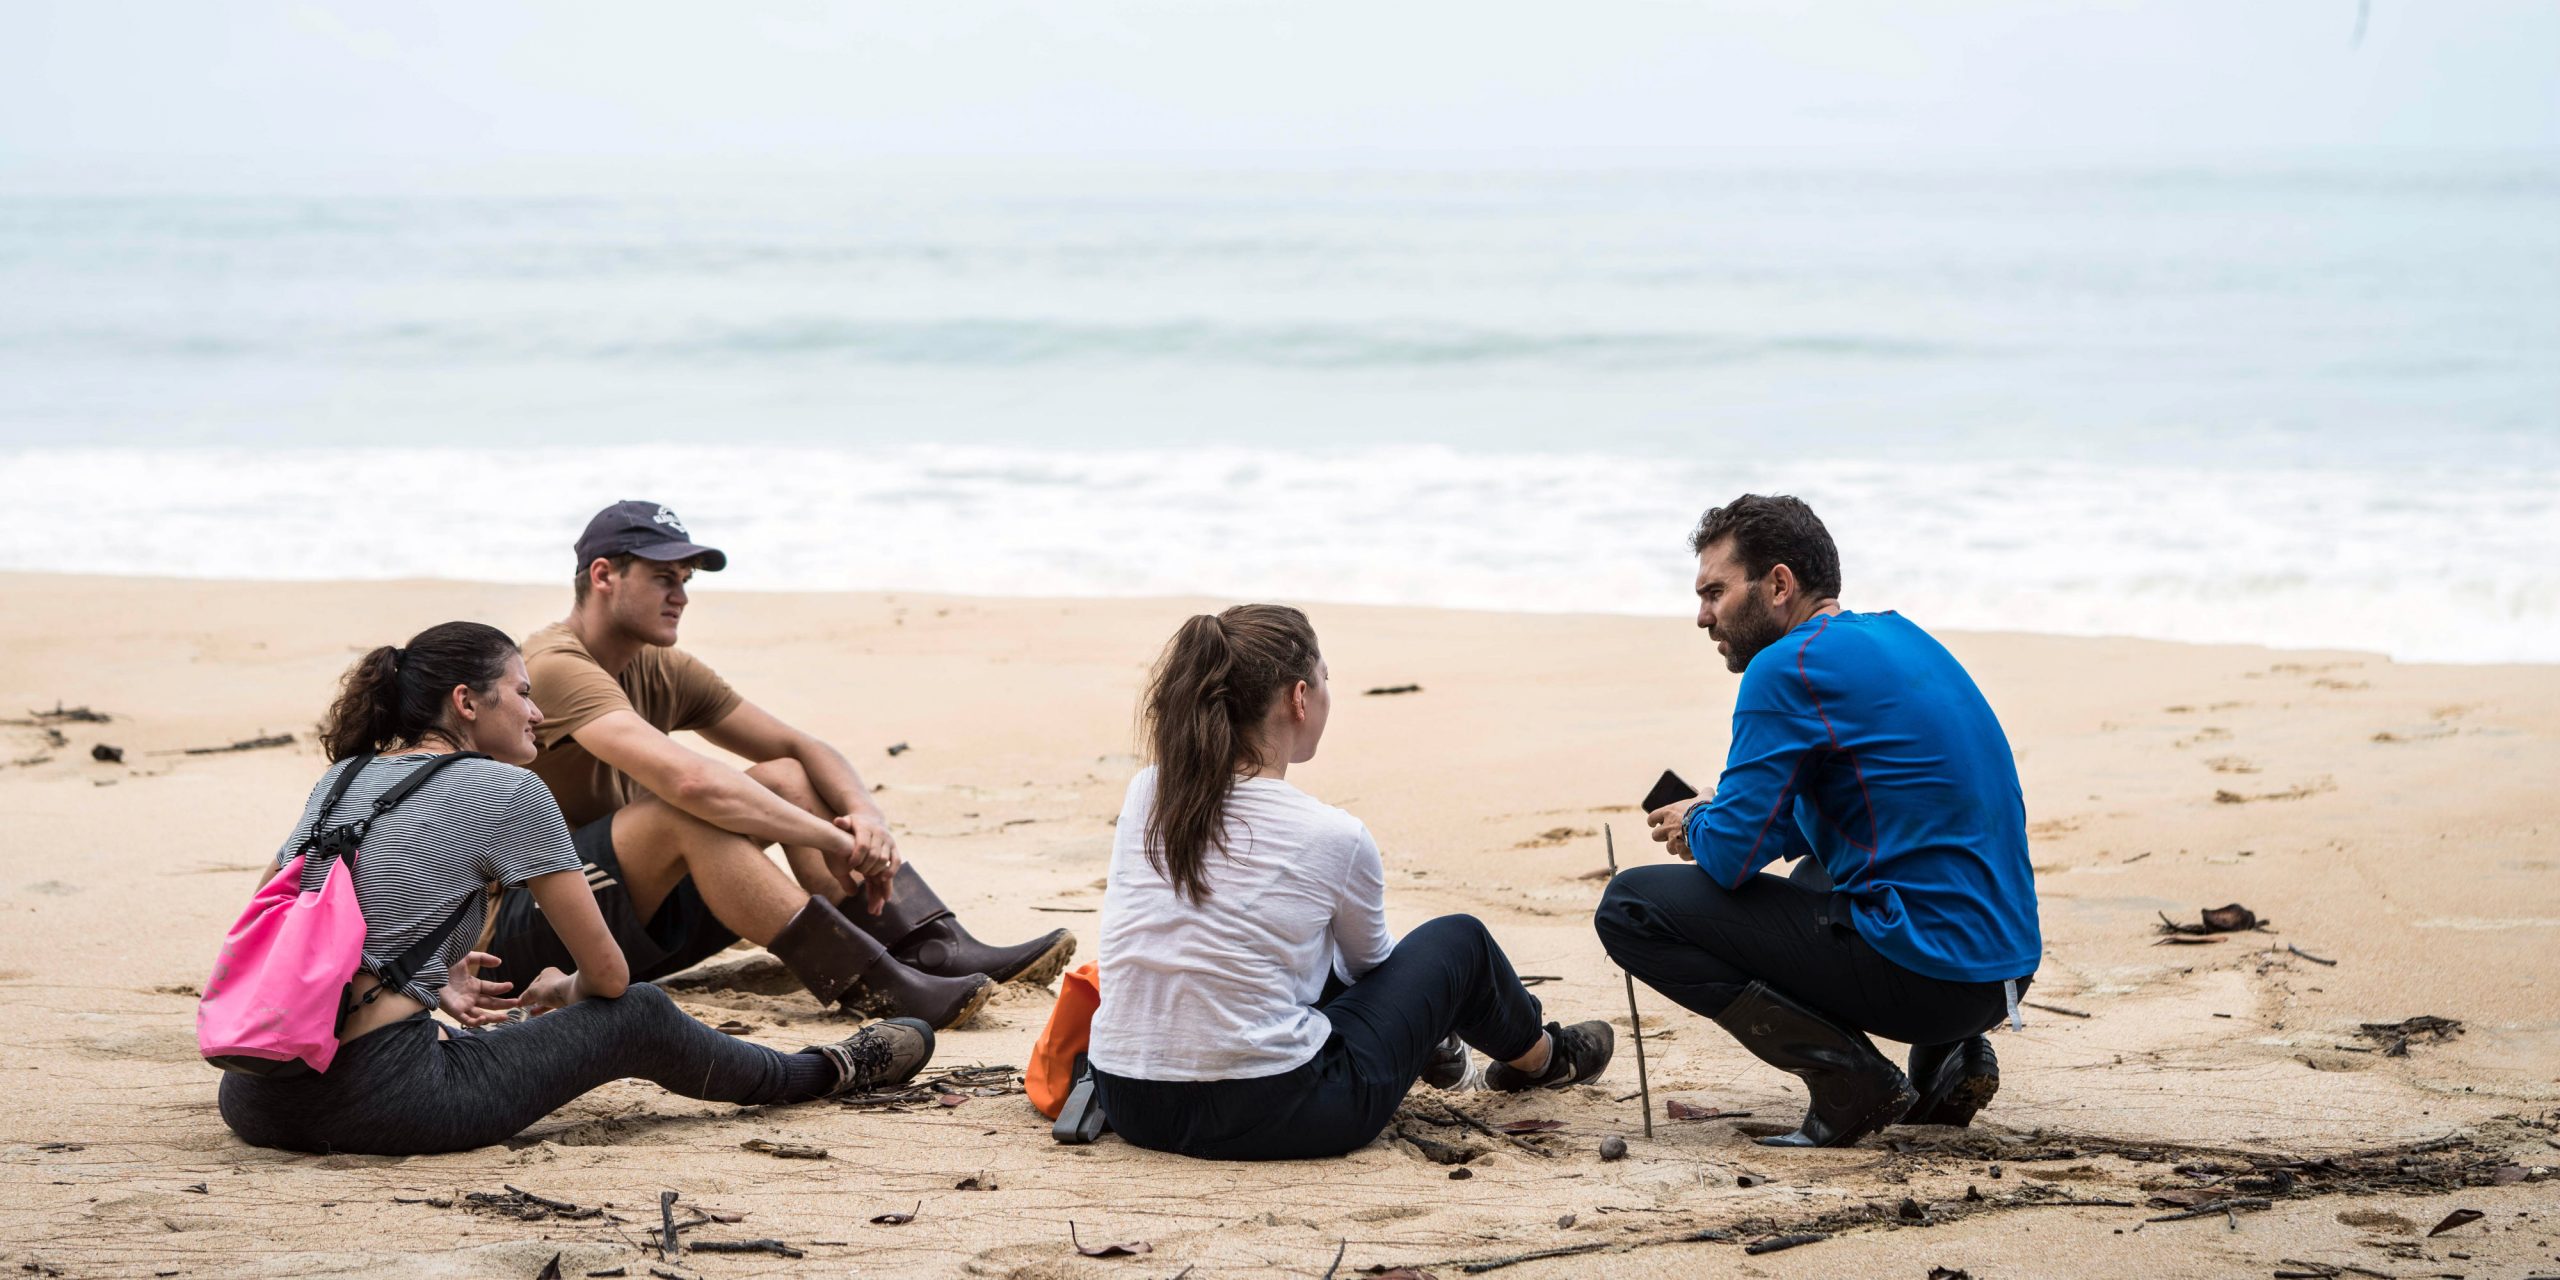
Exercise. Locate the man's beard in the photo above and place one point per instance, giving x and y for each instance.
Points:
(1750, 629)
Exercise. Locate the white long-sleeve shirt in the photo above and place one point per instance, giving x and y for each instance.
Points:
(1226, 989)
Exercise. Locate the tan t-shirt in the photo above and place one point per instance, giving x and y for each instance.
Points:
(669, 688)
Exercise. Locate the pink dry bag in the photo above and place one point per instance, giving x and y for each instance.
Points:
(279, 987)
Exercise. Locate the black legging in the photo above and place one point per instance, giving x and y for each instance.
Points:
(400, 1091)
(1447, 975)
(1684, 935)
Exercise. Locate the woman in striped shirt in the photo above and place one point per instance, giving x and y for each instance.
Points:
(405, 1084)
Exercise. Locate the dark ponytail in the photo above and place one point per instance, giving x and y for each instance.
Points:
(392, 697)
(1209, 691)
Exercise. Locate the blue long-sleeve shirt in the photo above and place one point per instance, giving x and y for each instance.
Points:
(1860, 740)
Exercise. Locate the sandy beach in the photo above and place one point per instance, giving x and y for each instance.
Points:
(2392, 823)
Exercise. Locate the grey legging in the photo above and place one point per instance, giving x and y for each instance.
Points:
(401, 1091)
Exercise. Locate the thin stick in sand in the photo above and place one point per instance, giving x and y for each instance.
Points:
(1635, 1021)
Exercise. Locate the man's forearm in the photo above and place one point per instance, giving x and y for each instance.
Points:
(734, 802)
(832, 776)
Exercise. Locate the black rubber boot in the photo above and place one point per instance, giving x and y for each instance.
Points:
(924, 935)
(841, 964)
(1955, 1081)
(1856, 1091)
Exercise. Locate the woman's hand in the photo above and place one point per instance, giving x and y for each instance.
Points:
(471, 1000)
(549, 990)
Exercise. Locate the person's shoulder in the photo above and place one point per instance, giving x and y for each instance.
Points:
(1887, 639)
(556, 653)
(1785, 675)
(1887, 624)
(556, 638)
(491, 769)
(1331, 822)
(330, 775)
(1836, 640)
(483, 775)
(507, 789)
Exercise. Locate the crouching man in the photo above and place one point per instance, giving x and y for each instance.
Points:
(674, 841)
(1861, 747)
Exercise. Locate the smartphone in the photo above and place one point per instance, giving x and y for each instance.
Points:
(1670, 790)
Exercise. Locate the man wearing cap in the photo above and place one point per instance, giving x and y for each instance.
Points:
(674, 841)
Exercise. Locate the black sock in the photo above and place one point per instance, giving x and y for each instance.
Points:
(808, 1074)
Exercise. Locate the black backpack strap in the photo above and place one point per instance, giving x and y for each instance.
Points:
(396, 975)
(418, 778)
(402, 969)
(337, 792)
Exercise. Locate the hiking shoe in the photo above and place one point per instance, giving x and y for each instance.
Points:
(886, 1053)
(1448, 1066)
(1579, 1053)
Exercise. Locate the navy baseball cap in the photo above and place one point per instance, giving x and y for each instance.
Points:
(644, 529)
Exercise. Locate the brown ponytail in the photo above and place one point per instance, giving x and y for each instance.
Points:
(392, 697)
(1213, 685)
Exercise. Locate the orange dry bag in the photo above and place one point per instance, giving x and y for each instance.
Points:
(1053, 1056)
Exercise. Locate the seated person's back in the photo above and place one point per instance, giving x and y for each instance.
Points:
(1227, 988)
(1234, 897)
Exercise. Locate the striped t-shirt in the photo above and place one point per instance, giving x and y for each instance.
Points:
(475, 822)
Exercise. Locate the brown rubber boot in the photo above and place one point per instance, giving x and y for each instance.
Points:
(841, 964)
(924, 935)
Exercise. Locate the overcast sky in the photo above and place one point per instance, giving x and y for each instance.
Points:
(92, 78)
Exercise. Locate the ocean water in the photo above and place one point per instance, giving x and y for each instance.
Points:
(2298, 401)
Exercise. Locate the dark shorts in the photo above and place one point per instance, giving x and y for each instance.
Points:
(681, 934)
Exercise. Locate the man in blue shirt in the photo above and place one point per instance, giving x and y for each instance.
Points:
(1862, 749)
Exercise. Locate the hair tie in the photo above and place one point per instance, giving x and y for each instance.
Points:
(399, 657)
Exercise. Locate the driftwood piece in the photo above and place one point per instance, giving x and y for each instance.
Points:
(1535, 1255)
(774, 1247)
(2228, 1205)
(245, 744)
(61, 715)
(1775, 1243)
(1489, 1131)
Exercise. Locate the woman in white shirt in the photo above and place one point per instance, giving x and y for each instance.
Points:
(1253, 1005)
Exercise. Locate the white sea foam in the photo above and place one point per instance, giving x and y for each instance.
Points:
(2449, 566)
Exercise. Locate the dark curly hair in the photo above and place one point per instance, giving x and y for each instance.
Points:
(1771, 531)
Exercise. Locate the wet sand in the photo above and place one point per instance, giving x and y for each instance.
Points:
(2395, 819)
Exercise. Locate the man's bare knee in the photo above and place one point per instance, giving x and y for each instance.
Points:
(658, 845)
(786, 778)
